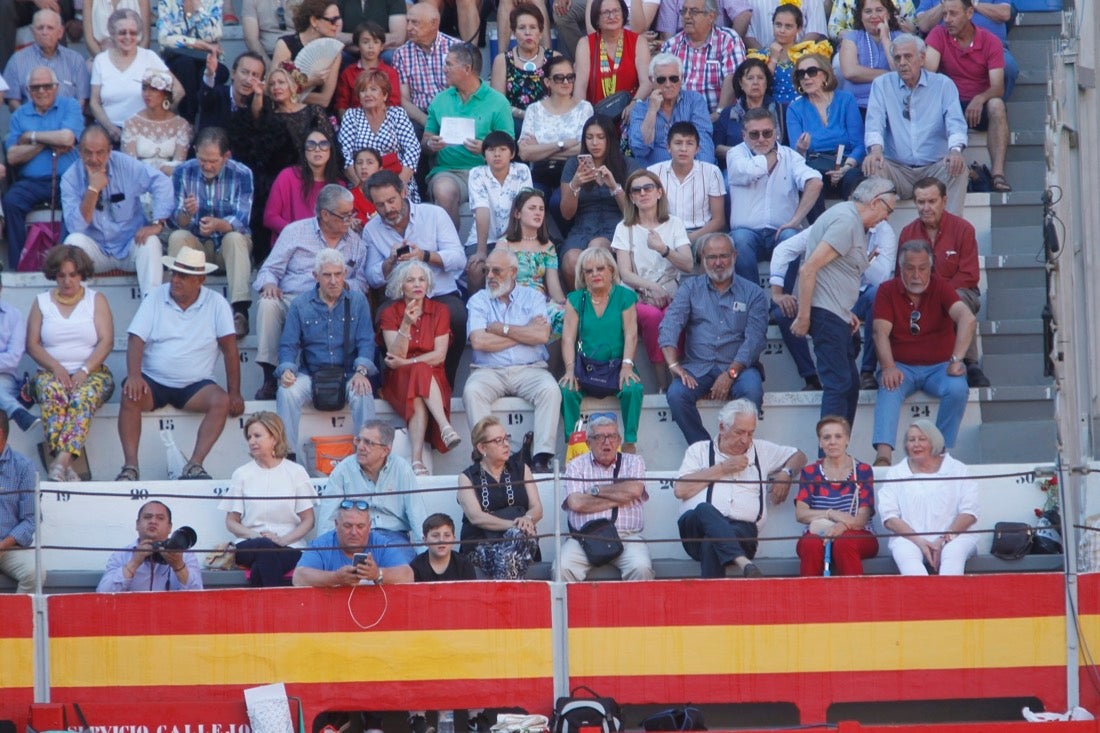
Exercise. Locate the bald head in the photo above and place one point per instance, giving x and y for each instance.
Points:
(47, 29)
(422, 22)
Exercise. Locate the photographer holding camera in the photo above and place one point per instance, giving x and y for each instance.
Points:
(156, 561)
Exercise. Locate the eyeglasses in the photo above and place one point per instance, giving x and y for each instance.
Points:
(563, 78)
(312, 145)
(280, 15)
(760, 134)
(719, 256)
(614, 12)
(691, 12)
(644, 188)
(810, 71)
(126, 32)
(905, 105)
(914, 323)
(889, 208)
(355, 504)
(603, 437)
(334, 19)
(346, 218)
(499, 440)
(365, 441)
(41, 87)
(674, 79)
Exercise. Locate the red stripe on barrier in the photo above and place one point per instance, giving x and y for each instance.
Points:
(414, 607)
(814, 600)
(16, 611)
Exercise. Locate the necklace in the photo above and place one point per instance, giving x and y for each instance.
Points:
(851, 470)
(529, 65)
(506, 478)
(71, 300)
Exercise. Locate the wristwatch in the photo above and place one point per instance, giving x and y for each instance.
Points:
(954, 360)
(789, 472)
(595, 491)
(734, 373)
(361, 371)
(561, 145)
(504, 330)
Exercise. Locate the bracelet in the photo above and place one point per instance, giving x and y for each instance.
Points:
(93, 189)
(617, 191)
(378, 581)
(628, 361)
(673, 365)
(403, 333)
(34, 137)
(575, 191)
(84, 369)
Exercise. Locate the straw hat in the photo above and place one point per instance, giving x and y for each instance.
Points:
(189, 262)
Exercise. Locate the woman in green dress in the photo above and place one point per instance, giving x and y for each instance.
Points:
(601, 321)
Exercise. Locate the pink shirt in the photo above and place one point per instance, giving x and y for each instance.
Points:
(968, 67)
(285, 204)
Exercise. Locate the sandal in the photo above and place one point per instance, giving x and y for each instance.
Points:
(57, 473)
(420, 469)
(128, 473)
(230, 19)
(450, 436)
(194, 472)
(1000, 184)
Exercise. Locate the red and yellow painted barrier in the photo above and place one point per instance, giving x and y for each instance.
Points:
(1088, 609)
(813, 642)
(17, 655)
(435, 646)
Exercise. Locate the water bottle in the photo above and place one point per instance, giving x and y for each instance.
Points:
(828, 558)
(446, 722)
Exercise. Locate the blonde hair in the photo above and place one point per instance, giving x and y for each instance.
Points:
(603, 257)
(274, 425)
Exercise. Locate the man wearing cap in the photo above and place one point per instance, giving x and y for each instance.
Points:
(174, 340)
(104, 214)
(140, 567)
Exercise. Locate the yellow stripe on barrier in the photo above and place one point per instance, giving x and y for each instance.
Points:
(302, 657)
(17, 669)
(840, 647)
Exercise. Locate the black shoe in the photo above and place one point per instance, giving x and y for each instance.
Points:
(751, 571)
(542, 462)
(975, 377)
(267, 390)
(419, 724)
(813, 384)
(479, 723)
(525, 449)
(867, 380)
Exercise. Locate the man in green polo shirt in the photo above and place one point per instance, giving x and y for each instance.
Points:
(466, 98)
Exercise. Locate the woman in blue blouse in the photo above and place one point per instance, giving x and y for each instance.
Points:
(752, 86)
(819, 122)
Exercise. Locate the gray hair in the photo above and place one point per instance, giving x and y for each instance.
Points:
(401, 272)
(331, 195)
(915, 245)
(904, 38)
(711, 6)
(124, 14)
(467, 54)
(703, 241)
(46, 12)
(328, 256)
(509, 255)
(53, 76)
(729, 413)
(935, 437)
(871, 188)
(665, 59)
(598, 422)
(385, 430)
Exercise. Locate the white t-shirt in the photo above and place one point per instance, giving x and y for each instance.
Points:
(647, 262)
(252, 481)
(120, 91)
(736, 500)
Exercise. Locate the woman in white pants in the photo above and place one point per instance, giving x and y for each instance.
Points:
(927, 501)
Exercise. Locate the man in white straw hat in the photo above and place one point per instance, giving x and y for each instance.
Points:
(174, 341)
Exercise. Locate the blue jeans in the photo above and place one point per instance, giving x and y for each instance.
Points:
(863, 310)
(798, 348)
(934, 381)
(397, 541)
(24, 195)
(836, 364)
(9, 392)
(754, 246)
(1012, 72)
(728, 539)
(681, 399)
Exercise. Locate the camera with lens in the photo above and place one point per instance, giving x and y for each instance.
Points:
(183, 538)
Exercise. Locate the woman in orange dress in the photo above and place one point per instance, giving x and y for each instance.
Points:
(416, 331)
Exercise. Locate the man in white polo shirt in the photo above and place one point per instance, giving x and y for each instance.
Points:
(174, 341)
(696, 190)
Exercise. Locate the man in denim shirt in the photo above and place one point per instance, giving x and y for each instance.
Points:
(17, 479)
(314, 337)
(724, 322)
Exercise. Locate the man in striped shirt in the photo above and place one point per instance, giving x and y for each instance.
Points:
(696, 189)
(604, 483)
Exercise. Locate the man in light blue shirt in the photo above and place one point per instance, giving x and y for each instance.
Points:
(508, 331)
(70, 67)
(104, 214)
(13, 342)
(387, 483)
(140, 567)
(668, 104)
(404, 231)
(330, 559)
(17, 508)
(915, 126)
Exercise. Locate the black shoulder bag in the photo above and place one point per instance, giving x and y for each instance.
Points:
(597, 378)
(329, 388)
(598, 537)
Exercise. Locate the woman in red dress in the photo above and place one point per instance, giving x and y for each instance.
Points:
(416, 331)
(612, 59)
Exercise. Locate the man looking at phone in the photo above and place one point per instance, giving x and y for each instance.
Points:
(351, 553)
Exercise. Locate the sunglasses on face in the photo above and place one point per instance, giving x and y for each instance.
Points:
(563, 78)
(810, 71)
(41, 87)
(644, 188)
(312, 145)
(674, 79)
(760, 134)
(334, 19)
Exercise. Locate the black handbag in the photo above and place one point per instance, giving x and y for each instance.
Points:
(612, 106)
(675, 719)
(547, 173)
(329, 381)
(599, 538)
(597, 377)
(1011, 540)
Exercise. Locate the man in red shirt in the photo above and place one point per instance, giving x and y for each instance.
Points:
(974, 59)
(955, 256)
(921, 330)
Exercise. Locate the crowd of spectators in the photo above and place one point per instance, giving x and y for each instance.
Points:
(622, 188)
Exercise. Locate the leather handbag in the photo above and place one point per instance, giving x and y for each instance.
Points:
(1011, 540)
(599, 538)
(329, 388)
(597, 377)
(613, 105)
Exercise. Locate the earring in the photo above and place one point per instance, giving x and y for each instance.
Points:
(166, 105)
